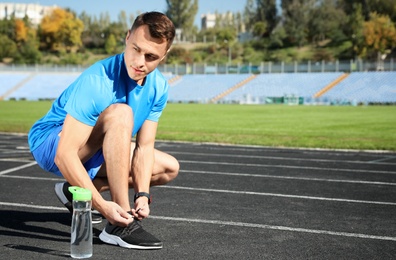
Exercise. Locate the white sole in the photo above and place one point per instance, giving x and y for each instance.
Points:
(115, 240)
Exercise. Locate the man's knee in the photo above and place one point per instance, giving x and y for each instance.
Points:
(118, 114)
(173, 169)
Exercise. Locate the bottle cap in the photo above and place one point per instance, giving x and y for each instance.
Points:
(80, 193)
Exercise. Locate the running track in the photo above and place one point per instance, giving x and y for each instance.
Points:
(228, 202)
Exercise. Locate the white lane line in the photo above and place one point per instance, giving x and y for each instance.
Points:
(31, 206)
(290, 177)
(59, 179)
(234, 174)
(379, 161)
(20, 159)
(383, 159)
(282, 228)
(230, 223)
(235, 192)
(17, 168)
(281, 195)
(286, 166)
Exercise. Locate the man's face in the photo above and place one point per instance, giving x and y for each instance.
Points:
(143, 53)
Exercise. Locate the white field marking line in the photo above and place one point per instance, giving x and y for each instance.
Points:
(17, 168)
(281, 195)
(288, 166)
(229, 223)
(379, 161)
(290, 178)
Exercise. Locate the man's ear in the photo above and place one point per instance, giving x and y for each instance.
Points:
(165, 54)
(127, 36)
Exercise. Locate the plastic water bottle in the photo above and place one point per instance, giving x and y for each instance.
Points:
(81, 227)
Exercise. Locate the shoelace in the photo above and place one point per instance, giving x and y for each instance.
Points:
(131, 227)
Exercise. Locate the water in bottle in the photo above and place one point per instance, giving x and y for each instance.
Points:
(81, 228)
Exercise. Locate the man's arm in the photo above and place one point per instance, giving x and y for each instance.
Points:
(143, 164)
(73, 138)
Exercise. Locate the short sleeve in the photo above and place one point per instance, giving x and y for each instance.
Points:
(90, 96)
(159, 105)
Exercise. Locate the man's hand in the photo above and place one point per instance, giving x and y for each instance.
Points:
(142, 209)
(116, 215)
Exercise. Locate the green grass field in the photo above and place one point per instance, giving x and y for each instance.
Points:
(339, 127)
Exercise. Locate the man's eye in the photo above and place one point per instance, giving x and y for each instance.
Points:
(151, 57)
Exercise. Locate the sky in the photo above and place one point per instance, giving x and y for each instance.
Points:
(114, 7)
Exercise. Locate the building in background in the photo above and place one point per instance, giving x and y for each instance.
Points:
(208, 21)
(35, 12)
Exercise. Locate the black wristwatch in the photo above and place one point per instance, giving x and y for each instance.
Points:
(142, 194)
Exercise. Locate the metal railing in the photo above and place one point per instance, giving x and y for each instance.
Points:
(249, 68)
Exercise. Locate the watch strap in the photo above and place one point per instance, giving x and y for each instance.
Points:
(142, 194)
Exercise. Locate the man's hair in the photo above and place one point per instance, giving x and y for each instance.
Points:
(160, 26)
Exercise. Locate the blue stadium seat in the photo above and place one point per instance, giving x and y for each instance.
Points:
(9, 80)
(358, 87)
(365, 87)
(44, 86)
(280, 85)
(200, 88)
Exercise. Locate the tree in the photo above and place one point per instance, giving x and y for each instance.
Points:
(123, 20)
(110, 44)
(295, 20)
(8, 48)
(61, 30)
(182, 14)
(21, 31)
(380, 35)
(262, 12)
(326, 22)
(266, 12)
(354, 30)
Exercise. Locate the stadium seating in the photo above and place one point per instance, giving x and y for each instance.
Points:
(44, 86)
(281, 85)
(9, 80)
(365, 87)
(200, 88)
(357, 87)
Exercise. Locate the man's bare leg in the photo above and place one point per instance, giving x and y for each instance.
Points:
(113, 130)
(166, 168)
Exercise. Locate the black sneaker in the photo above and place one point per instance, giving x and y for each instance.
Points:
(132, 236)
(65, 196)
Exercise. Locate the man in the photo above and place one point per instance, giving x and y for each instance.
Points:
(86, 135)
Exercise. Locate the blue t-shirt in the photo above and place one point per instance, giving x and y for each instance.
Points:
(101, 85)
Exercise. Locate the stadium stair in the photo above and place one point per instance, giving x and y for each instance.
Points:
(19, 85)
(174, 79)
(331, 85)
(228, 91)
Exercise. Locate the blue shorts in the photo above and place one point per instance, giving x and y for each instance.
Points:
(45, 155)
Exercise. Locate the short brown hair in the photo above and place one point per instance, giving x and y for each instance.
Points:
(160, 26)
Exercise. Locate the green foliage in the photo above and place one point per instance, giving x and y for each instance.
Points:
(182, 13)
(309, 29)
(259, 29)
(61, 30)
(110, 44)
(178, 55)
(380, 33)
(8, 47)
